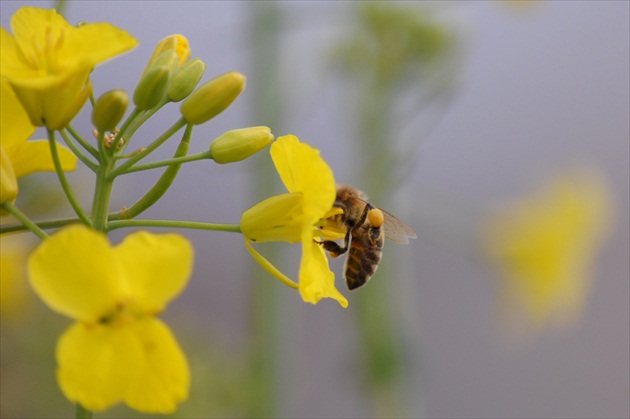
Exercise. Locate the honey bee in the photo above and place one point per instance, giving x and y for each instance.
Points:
(366, 228)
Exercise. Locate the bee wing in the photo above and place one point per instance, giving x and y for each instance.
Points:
(396, 230)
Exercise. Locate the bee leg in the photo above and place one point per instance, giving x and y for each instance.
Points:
(334, 248)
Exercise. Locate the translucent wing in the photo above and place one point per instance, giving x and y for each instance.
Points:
(396, 230)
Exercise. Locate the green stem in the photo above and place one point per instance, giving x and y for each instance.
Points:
(27, 222)
(89, 163)
(265, 316)
(87, 146)
(123, 168)
(169, 162)
(197, 225)
(103, 188)
(60, 7)
(82, 413)
(135, 121)
(64, 181)
(44, 225)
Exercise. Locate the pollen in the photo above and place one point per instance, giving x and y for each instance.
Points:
(376, 218)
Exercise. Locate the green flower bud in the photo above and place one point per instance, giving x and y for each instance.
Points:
(109, 110)
(177, 43)
(167, 59)
(239, 144)
(213, 97)
(185, 80)
(151, 88)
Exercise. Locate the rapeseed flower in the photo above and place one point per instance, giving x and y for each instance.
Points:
(48, 62)
(19, 156)
(117, 350)
(545, 246)
(294, 217)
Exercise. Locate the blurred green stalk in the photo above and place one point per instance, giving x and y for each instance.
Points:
(263, 83)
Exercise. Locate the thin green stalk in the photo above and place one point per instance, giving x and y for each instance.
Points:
(129, 127)
(123, 168)
(169, 162)
(67, 189)
(265, 315)
(135, 121)
(44, 225)
(82, 413)
(89, 163)
(79, 139)
(196, 225)
(27, 222)
(60, 7)
(163, 183)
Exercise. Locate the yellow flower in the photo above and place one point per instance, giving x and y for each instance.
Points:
(546, 244)
(117, 350)
(293, 217)
(14, 293)
(19, 156)
(47, 62)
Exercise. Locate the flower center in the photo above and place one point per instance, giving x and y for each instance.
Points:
(121, 315)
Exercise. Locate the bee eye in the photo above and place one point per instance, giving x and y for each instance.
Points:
(376, 217)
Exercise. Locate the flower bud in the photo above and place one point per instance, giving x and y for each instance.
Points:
(212, 98)
(151, 88)
(109, 110)
(168, 59)
(239, 144)
(8, 181)
(176, 43)
(185, 80)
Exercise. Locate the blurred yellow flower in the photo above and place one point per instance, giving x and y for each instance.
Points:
(546, 244)
(47, 62)
(293, 217)
(117, 350)
(19, 156)
(14, 293)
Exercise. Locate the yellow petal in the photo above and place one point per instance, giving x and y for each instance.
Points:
(316, 279)
(165, 381)
(53, 100)
(156, 267)
(99, 364)
(16, 127)
(36, 32)
(74, 273)
(96, 43)
(8, 180)
(13, 60)
(268, 266)
(48, 62)
(303, 170)
(34, 156)
(278, 218)
(50, 43)
(546, 244)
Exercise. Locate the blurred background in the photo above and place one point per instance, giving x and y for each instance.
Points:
(441, 112)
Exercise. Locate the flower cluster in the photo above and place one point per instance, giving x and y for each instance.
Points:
(117, 350)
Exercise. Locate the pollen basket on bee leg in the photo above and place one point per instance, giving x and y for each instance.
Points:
(376, 218)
